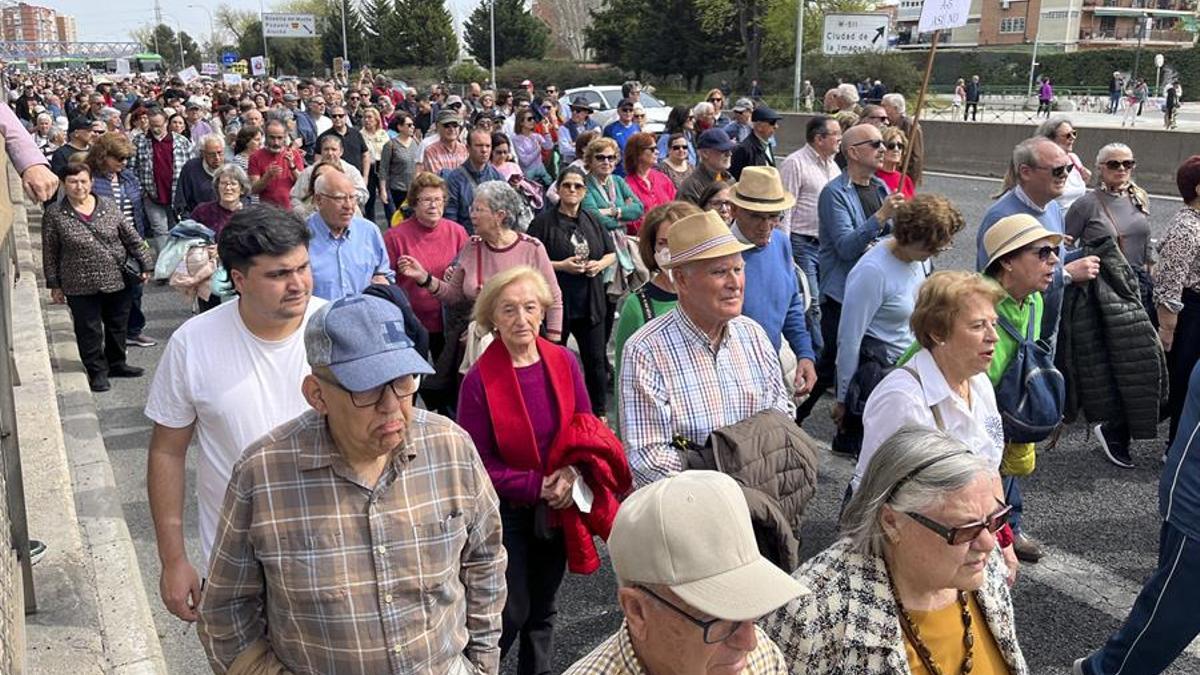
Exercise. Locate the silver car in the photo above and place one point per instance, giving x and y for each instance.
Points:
(604, 100)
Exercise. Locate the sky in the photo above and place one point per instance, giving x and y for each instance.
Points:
(102, 20)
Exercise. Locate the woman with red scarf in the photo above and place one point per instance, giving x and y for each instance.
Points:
(525, 406)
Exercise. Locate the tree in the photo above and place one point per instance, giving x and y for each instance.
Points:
(383, 48)
(426, 33)
(659, 37)
(747, 16)
(779, 42)
(519, 34)
(169, 45)
(331, 33)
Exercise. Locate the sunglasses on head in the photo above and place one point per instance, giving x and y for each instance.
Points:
(1127, 164)
(965, 534)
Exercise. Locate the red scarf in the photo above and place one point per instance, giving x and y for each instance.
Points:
(511, 427)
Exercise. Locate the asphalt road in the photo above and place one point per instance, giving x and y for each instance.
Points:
(1100, 522)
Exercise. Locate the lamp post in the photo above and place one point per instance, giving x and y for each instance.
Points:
(796, 85)
(492, 20)
(1137, 57)
(212, 31)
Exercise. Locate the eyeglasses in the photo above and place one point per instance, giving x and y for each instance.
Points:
(720, 204)
(624, 109)
(894, 146)
(371, 397)
(874, 143)
(965, 534)
(716, 631)
(449, 125)
(570, 186)
(679, 147)
(344, 199)
(431, 201)
(1057, 171)
(639, 116)
(605, 158)
(716, 99)
(1115, 164)
(551, 90)
(1044, 252)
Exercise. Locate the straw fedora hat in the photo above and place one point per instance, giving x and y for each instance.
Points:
(760, 189)
(701, 236)
(1011, 233)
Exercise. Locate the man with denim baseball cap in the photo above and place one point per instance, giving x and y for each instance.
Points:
(690, 593)
(364, 535)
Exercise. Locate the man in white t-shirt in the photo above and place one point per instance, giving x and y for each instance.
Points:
(229, 375)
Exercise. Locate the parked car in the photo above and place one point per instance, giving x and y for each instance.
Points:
(604, 100)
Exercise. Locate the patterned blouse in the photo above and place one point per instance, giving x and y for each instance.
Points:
(1179, 260)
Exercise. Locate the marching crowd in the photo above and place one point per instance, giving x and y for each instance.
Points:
(409, 432)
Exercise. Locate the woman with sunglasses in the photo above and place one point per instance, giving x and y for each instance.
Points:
(1061, 131)
(580, 250)
(675, 163)
(915, 584)
(717, 98)
(528, 144)
(894, 142)
(1021, 257)
(608, 197)
(375, 137)
(651, 186)
(397, 164)
(679, 121)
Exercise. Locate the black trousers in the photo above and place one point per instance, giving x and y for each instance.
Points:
(100, 327)
(1185, 351)
(440, 401)
(970, 108)
(589, 335)
(831, 316)
(137, 320)
(535, 571)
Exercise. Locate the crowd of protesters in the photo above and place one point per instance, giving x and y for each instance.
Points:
(400, 455)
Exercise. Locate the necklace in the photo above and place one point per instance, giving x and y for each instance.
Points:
(914, 636)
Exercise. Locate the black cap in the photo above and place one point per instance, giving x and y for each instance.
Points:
(579, 103)
(625, 104)
(79, 124)
(764, 114)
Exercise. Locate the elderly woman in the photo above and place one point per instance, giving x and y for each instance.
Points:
(231, 186)
(86, 241)
(716, 198)
(495, 247)
(515, 403)
(580, 250)
(706, 116)
(651, 186)
(881, 293)
(1177, 289)
(676, 163)
(915, 583)
(657, 296)
(434, 242)
(398, 163)
(608, 197)
(894, 142)
(1061, 131)
(1021, 257)
(305, 206)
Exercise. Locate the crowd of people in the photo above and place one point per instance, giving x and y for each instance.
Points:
(400, 454)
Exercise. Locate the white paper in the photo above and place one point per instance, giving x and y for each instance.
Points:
(943, 14)
(582, 494)
(231, 78)
(189, 74)
(258, 66)
(209, 68)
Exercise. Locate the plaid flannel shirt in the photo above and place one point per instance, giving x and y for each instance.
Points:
(615, 656)
(675, 383)
(143, 163)
(407, 577)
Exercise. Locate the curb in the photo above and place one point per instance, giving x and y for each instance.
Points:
(118, 602)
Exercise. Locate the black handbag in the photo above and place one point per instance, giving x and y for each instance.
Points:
(131, 267)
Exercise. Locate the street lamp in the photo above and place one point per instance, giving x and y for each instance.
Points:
(1137, 58)
(212, 31)
(492, 20)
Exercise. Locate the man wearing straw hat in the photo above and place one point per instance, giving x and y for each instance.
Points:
(773, 295)
(701, 366)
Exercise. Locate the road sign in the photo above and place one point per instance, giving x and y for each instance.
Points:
(943, 15)
(209, 68)
(228, 58)
(290, 25)
(855, 33)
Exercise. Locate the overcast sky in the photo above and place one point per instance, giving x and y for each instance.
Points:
(113, 19)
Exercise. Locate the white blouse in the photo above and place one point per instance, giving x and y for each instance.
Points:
(900, 400)
(1076, 186)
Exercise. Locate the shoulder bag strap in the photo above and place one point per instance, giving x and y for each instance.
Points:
(937, 414)
(1112, 222)
(91, 230)
(644, 301)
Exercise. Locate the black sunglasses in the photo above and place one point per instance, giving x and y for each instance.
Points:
(716, 631)
(1127, 164)
(1044, 252)
(874, 143)
(1058, 171)
(679, 147)
(894, 146)
(965, 534)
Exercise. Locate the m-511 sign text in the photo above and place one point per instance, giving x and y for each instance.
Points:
(855, 33)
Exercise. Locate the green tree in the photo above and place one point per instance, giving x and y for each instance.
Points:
(779, 42)
(382, 25)
(659, 37)
(519, 34)
(169, 44)
(426, 33)
(331, 33)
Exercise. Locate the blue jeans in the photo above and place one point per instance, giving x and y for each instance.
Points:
(1012, 496)
(805, 251)
(1163, 620)
(137, 320)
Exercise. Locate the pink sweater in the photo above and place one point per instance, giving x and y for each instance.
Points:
(478, 262)
(435, 248)
(655, 189)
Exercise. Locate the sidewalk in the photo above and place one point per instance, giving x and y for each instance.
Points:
(93, 615)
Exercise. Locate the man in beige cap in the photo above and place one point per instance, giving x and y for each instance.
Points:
(701, 366)
(772, 293)
(690, 594)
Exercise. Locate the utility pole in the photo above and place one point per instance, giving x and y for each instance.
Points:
(262, 22)
(799, 53)
(157, 23)
(492, 20)
(345, 52)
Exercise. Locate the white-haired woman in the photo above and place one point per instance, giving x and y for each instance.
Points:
(916, 583)
(706, 116)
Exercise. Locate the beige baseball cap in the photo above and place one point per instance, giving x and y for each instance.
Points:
(692, 533)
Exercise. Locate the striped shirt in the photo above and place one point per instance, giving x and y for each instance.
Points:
(615, 656)
(675, 383)
(123, 202)
(406, 577)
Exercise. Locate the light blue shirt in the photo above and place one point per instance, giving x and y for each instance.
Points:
(881, 294)
(344, 265)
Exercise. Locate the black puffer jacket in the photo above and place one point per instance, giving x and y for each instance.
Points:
(1108, 350)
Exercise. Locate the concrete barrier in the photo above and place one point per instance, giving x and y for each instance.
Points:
(984, 149)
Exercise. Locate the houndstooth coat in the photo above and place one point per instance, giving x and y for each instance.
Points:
(848, 624)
